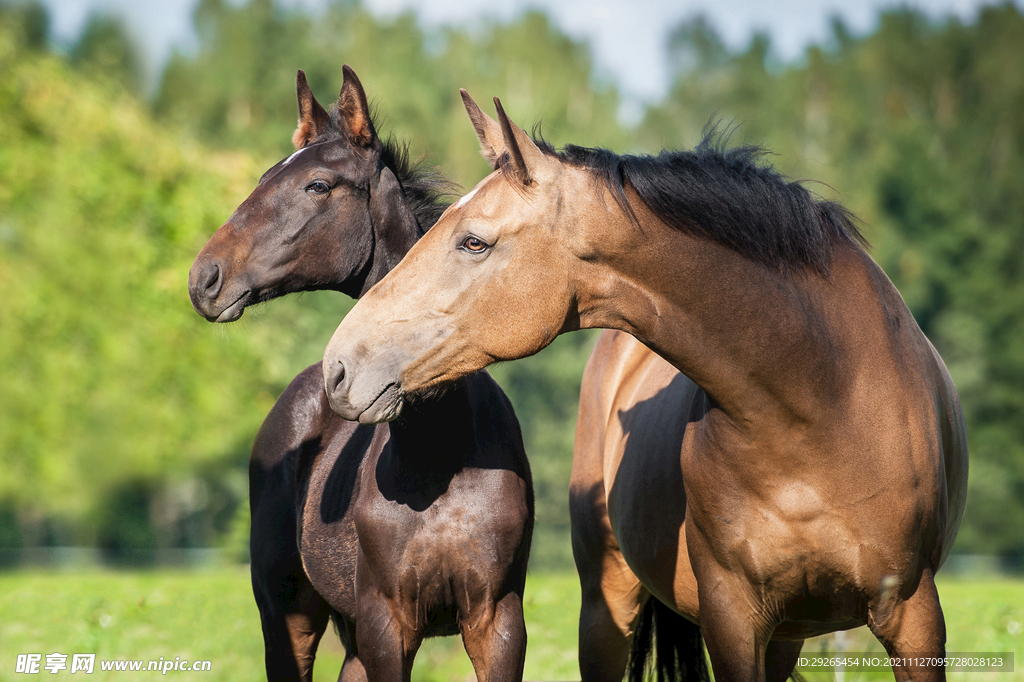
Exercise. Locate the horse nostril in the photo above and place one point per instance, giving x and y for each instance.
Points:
(334, 377)
(211, 280)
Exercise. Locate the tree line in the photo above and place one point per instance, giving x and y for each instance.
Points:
(125, 419)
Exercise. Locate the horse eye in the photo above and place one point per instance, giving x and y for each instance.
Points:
(474, 245)
(318, 187)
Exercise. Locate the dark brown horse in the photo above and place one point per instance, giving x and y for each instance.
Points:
(403, 531)
(822, 470)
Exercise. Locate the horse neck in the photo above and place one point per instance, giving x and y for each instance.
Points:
(432, 435)
(762, 344)
(395, 229)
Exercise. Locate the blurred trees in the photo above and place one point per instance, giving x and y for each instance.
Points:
(125, 419)
(114, 393)
(238, 91)
(105, 50)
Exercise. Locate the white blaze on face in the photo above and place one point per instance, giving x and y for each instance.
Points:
(462, 202)
(292, 157)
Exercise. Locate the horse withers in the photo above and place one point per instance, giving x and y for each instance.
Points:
(822, 469)
(402, 531)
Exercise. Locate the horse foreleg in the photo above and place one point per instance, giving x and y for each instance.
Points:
(913, 631)
(294, 617)
(736, 629)
(496, 641)
(386, 648)
(780, 659)
(611, 594)
(352, 670)
(611, 600)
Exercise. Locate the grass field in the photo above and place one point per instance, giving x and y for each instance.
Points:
(210, 615)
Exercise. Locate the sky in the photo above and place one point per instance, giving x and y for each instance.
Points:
(628, 39)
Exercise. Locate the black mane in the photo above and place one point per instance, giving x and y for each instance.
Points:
(728, 196)
(429, 192)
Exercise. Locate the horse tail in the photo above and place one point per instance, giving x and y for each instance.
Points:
(667, 647)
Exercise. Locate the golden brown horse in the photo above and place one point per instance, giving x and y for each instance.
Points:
(824, 458)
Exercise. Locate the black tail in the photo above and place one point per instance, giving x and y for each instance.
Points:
(667, 646)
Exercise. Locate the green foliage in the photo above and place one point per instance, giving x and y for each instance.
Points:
(110, 379)
(105, 50)
(238, 91)
(125, 418)
(27, 25)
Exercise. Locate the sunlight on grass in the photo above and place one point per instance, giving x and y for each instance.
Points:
(211, 615)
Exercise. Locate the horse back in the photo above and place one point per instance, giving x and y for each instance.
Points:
(912, 407)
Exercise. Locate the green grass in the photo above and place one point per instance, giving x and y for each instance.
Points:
(210, 615)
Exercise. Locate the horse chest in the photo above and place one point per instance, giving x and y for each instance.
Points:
(458, 528)
(442, 553)
(797, 545)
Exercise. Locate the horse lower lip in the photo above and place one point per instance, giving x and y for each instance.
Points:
(232, 312)
(391, 397)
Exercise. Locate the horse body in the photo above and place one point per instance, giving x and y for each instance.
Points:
(390, 528)
(823, 459)
(839, 415)
(416, 528)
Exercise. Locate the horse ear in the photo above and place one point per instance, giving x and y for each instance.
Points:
(313, 118)
(487, 130)
(355, 112)
(524, 152)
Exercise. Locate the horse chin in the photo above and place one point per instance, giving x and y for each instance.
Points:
(233, 311)
(386, 407)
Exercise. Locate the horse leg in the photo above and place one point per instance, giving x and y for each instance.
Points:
(780, 659)
(294, 617)
(914, 628)
(352, 670)
(736, 629)
(386, 648)
(612, 597)
(496, 641)
(611, 594)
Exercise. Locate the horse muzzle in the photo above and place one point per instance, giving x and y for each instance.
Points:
(361, 397)
(207, 292)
